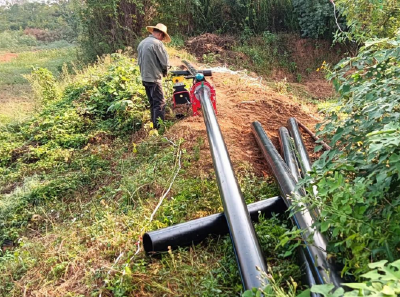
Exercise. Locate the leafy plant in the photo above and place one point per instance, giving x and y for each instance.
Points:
(44, 85)
(358, 180)
(382, 281)
(315, 18)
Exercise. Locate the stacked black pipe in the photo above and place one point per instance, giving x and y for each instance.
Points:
(288, 152)
(302, 155)
(324, 271)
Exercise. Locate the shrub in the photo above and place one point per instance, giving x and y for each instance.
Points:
(315, 17)
(359, 179)
(369, 19)
(44, 85)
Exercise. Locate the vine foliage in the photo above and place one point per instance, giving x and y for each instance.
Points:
(359, 179)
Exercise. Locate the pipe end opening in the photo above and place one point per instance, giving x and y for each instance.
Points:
(147, 243)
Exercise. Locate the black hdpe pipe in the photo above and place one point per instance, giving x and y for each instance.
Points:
(197, 230)
(247, 249)
(302, 155)
(324, 271)
(307, 272)
(288, 154)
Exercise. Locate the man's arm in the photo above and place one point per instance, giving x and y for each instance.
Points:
(162, 57)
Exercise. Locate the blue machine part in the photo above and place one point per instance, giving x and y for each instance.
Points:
(199, 76)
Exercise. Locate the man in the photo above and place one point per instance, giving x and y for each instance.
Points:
(153, 64)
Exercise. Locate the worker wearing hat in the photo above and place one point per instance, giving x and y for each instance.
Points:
(153, 64)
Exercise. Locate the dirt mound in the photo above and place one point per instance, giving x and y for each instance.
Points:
(241, 101)
(210, 44)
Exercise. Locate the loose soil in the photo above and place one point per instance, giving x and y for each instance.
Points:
(240, 102)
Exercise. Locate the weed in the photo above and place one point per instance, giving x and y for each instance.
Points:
(177, 41)
(265, 53)
(197, 147)
(269, 37)
(282, 86)
(210, 58)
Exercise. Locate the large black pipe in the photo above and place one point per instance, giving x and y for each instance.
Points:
(197, 230)
(323, 269)
(302, 155)
(288, 152)
(247, 249)
(307, 272)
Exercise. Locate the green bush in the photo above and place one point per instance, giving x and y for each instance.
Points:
(44, 85)
(369, 19)
(316, 18)
(359, 179)
(382, 281)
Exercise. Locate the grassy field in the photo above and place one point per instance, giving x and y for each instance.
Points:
(16, 97)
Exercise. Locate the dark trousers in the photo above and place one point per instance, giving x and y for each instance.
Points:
(155, 94)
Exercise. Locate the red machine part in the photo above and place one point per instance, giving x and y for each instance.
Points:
(196, 101)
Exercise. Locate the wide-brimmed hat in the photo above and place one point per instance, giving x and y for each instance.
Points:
(162, 28)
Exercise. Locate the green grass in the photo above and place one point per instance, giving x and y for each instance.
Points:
(11, 73)
(17, 41)
(16, 96)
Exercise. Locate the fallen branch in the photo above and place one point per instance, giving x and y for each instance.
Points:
(315, 137)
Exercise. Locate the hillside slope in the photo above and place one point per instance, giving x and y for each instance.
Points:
(79, 188)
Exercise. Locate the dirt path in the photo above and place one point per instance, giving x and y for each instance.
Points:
(7, 57)
(239, 103)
